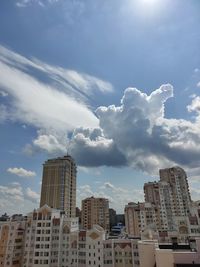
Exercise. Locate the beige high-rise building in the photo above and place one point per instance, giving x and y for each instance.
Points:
(177, 180)
(171, 196)
(59, 184)
(95, 211)
(151, 193)
(139, 217)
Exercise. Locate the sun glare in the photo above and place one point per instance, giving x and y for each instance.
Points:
(148, 7)
(149, 2)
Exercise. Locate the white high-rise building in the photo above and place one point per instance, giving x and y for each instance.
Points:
(49, 239)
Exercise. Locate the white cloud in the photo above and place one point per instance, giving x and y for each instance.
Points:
(50, 144)
(42, 106)
(198, 84)
(32, 195)
(21, 172)
(137, 134)
(195, 105)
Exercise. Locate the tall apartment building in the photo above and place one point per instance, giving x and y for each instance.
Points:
(59, 184)
(177, 180)
(95, 211)
(171, 196)
(140, 216)
(151, 193)
(11, 241)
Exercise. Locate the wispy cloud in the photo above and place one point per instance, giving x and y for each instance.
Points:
(25, 3)
(21, 172)
(60, 103)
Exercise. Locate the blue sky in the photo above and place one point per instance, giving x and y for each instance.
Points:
(65, 66)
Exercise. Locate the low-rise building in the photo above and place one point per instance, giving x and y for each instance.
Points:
(152, 253)
(121, 252)
(11, 241)
(50, 238)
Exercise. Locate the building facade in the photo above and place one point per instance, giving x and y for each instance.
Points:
(152, 254)
(95, 211)
(50, 239)
(59, 185)
(171, 196)
(176, 178)
(139, 217)
(12, 241)
(121, 253)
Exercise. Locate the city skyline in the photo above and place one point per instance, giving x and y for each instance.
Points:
(115, 85)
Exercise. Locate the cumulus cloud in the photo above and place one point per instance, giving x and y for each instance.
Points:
(50, 144)
(195, 105)
(21, 172)
(137, 134)
(91, 148)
